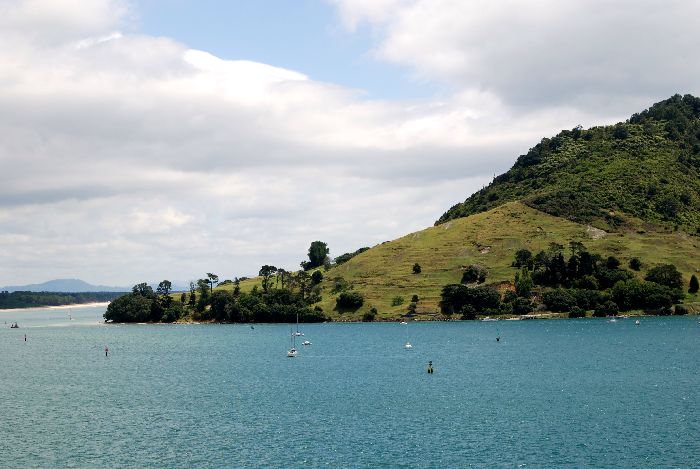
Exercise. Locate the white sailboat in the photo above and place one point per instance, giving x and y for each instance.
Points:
(297, 333)
(408, 345)
(293, 351)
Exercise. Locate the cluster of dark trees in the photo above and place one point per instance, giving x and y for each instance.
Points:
(27, 299)
(582, 282)
(283, 296)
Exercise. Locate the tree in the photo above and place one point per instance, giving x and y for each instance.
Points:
(612, 262)
(474, 274)
(523, 284)
(163, 290)
(212, 279)
(193, 295)
(203, 300)
(143, 289)
(318, 253)
(416, 268)
(349, 301)
(133, 307)
(266, 272)
(523, 259)
(414, 299)
(693, 286)
(665, 274)
(635, 264)
(316, 277)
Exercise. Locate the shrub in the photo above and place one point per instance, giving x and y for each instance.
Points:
(414, 299)
(456, 296)
(642, 294)
(609, 308)
(666, 274)
(576, 312)
(522, 306)
(680, 310)
(693, 286)
(523, 259)
(416, 268)
(635, 264)
(474, 274)
(369, 315)
(397, 301)
(558, 300)
(349, 300)
(468, 312)
(174, 312)
(587, 282)
(316, 277)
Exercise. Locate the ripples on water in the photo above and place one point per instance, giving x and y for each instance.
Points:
(567, 393)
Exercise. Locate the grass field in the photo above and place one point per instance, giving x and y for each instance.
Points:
(489, 239)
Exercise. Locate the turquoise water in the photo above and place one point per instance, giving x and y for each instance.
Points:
(567, 393)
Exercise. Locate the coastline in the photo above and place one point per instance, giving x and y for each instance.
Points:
(70, 306)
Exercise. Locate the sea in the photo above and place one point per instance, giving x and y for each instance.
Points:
(574, 393)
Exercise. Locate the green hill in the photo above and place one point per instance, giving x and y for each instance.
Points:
(630, 190)
(647, 167)
(489, 239)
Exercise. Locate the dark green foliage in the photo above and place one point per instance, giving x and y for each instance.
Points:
(642, 294)
(133, 307)
(349, 301)
(609, 308)
(680, 310)
(174, 312)
(576, 312)
(647, 167)
(587, 282)
(266, 272)
(523, 259)
(343, 258)
(456, 296)
(693, 286)
(608, 277)
(667, 275)
(635, 264)
(25, 299)
(474, 274)
(558, 300)
(468, 312)
(318, 255)
(369, 315)
(523, 284)
(522, 306)
(414, 299)
(612, 262)
(316, 277)
(417, 268)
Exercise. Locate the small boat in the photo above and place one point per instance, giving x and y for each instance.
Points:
(489, 319)
(636, 323)
(408, 346)
(293, 351)
(404, 323)
(14, 326)
(297, 333)
(612, 320)
(306, 342)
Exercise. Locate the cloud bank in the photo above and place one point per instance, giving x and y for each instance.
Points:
(127, 157)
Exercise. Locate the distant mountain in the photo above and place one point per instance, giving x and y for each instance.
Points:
(66, 285)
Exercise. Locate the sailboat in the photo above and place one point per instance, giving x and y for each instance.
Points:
(408, 345)
(293, 351)
(297, 333)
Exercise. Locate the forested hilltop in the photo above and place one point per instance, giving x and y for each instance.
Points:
(647, 168)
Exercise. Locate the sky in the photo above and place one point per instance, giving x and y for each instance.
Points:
(162, 139)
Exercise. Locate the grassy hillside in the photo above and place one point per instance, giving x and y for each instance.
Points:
(489, 239)
(646, 168)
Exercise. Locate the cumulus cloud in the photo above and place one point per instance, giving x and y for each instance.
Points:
(543, 52)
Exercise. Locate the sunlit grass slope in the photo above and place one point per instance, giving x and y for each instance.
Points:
(489, 239)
